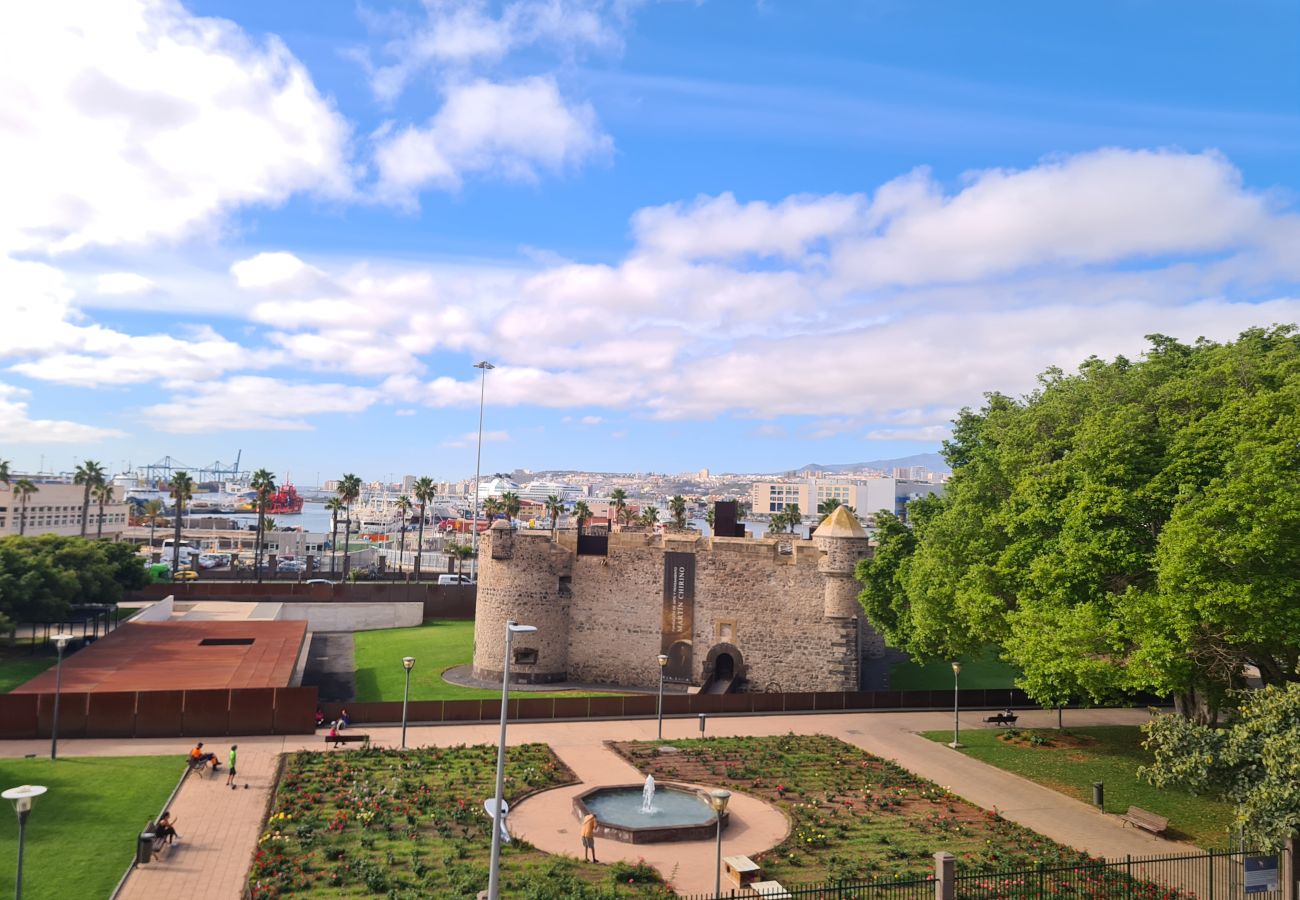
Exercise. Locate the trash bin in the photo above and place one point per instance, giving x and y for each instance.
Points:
(701, 723)
(1099, 795)
(144, 848)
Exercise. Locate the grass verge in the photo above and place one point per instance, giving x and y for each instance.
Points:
(19, 668)
(437, 646)
(1111, 754)
(81, 834)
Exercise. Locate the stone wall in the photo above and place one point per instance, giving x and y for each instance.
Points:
(772, 595)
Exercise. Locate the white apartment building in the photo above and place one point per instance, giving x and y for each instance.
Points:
(866, 495)
(55, 508)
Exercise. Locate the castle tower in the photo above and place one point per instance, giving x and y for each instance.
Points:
(525, 578)
(843, 542)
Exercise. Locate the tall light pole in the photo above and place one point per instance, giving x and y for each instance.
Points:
(956, 720)
(663, 662)
(494, 869)
(408, 663)
(60, 641)
(484, 366)
(718, 800)
(22, 798)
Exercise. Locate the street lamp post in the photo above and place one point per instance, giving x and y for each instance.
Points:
(494, 868)
(484, 366)
(718, 800)
(956, 720)
(60, 641)
(663, 662)
(22, 798)
(408, 663)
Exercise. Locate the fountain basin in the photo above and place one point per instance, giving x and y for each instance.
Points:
(683, 815)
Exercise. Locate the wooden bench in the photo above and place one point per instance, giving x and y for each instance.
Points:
(741, 870)
(198, 765)
(769, 890)
(1002, 719)
(347, 739)
(1148, 821)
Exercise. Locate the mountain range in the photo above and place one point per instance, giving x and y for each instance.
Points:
(932, 461)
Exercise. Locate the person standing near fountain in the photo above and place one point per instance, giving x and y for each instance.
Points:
(588, 833)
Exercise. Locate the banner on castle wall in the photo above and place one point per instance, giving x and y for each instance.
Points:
(679, 614)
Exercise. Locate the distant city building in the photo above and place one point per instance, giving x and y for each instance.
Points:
(496, 487)
(867, 496)
(56, 507)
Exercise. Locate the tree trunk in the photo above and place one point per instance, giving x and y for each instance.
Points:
(1195, 704)
(347, 541)
(334, 540)
(261, 529)
(401, 552)
(419, 541)
(22, 518)
(99, 526)
(176, 541)
(85, 509)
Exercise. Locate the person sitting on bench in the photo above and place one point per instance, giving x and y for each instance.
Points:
(165, 828)
(198, 757)
(320, 717)
(334, 730)
(344, 720)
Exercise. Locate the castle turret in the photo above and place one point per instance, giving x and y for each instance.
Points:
(844, 542)
(524, 578)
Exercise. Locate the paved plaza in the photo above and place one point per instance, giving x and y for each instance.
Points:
(219, 827)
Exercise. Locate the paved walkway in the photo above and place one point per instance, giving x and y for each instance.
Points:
(220, 827)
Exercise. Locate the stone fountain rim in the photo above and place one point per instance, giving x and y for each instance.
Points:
(612, 831)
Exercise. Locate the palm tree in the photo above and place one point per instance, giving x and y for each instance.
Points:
(4, 470)
(22, 490)
(709, 515)
(554, 506)
(650, 515)
(510, 504)
(103, 493)
(181, 490)
(492, 507)
(677, 506)
(793, 516)
(626, 515)
(462, 552)
(335, 506)
(581, 512)
(618, 497)
(779, 521)
(91, 473)
(404, 513)
(424, 492)
(827, 506)
(349, 490)
(263, 484)
(152, 510)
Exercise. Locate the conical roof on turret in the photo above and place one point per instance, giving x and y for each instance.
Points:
(840, 524)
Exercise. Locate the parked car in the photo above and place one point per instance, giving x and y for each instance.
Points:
(186, 575)
(454, 579)
(291, 565)
(319, 581)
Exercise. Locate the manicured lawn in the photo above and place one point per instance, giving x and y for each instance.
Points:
(856, 816)
(19, 668)
(437, 646)
(81, 834)
(983, 671)
(1111, 755)
(411, 823)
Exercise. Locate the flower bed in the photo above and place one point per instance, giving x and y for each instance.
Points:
(855, 816)
(411, 823)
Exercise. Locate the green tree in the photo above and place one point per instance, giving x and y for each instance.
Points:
(461, 552)
(263, 485)
(582, 513)
(424, 493)
(1251, 763)
(42, 577)
(1129, 527)
(828, 506)
(493, 507)
(23, 490)
(793, 517)
(677, 508)
(182, 491)
(511, 504)
(88, 474)
(348, 491)
(102, 494)
(4, 471)
(153, 511)
(709, 515)
(650, 515)
(554, 507)
(403, 506)
(335, 506)
(618, 498)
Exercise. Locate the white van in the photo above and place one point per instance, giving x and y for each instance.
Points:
(454, 579)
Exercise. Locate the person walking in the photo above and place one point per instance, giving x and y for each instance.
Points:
(589, 837)
(230, 776)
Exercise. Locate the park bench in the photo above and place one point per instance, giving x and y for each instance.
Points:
(347, 739)
(769, 890)
(1148, 821)
(1002, 719)
(198, 765)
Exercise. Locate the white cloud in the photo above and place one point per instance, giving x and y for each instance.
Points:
(133, 121)
(506, 129)
(17, 426)
(253, 403)
(591, 420)
(470, 439)
(277, 272)
(405, 412)
(121, 283)
(930, 433)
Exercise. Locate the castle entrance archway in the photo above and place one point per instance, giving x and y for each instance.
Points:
(724, 662)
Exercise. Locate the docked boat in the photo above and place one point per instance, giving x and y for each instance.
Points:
(284, 502)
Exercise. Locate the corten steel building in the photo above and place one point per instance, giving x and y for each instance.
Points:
(770, 614)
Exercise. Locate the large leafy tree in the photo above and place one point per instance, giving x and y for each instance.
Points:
(263, 485)
(1251, 763)
(348, 491)
(42, 577)
(23, 489)
(1135, 525)
(88, 474)
(182, 491)
(424, 492)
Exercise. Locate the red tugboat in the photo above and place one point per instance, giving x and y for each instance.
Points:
(284, 502)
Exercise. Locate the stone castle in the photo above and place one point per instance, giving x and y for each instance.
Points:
(769, 614)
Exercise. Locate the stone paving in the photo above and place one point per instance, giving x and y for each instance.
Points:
(219, 827)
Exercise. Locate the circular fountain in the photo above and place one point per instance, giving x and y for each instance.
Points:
(649, 813)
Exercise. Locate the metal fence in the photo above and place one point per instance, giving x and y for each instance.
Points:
(894, 889)
(1217, 875)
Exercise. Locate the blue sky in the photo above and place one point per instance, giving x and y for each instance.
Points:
(735, 235)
